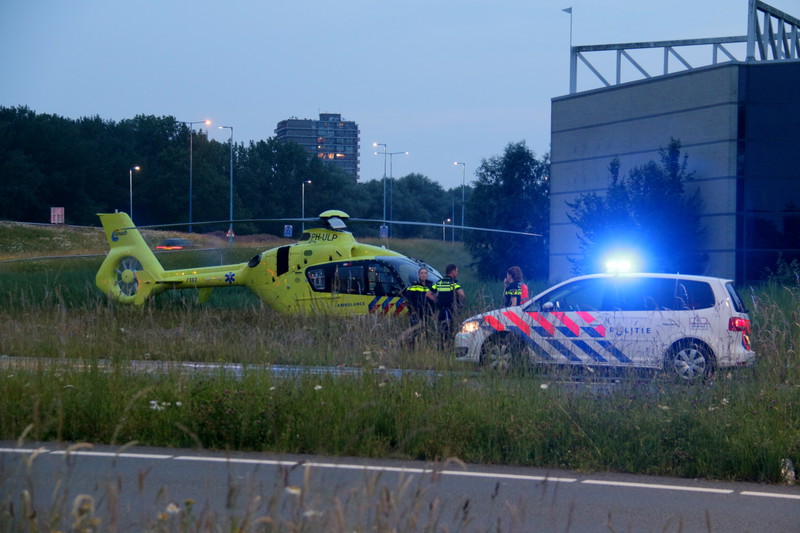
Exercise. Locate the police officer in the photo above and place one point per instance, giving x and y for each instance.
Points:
(512, 293)
(420, 306)
(449, 298)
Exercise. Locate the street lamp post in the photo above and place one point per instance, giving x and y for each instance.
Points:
(191, 134)
(391, 187)
(384, 176)
(130, 189)
(453, 226)
(463, 185)
(230, 211)
(303, 204)
(444, 223)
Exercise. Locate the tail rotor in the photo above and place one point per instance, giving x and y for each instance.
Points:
(127, 285)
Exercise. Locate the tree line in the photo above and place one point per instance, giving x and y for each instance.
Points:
(85, 165)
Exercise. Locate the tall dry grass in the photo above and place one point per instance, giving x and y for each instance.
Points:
(740, 426)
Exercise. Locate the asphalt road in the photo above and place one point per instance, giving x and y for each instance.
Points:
(137, 489)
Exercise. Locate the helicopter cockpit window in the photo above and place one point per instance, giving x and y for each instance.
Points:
(408, 270)
(383, 281)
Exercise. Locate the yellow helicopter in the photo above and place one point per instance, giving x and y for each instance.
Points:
(326, 269)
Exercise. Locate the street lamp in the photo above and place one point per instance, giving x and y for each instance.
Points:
(463, 185)
(130, 189)
(391, 185)
(384, 176)
(230, 212)
(444, 222)
(303, 203)
(191, 134)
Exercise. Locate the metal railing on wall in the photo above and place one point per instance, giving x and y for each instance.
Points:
(771, 33)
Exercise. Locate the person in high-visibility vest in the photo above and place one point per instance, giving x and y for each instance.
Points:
(449, 298)
(512, 287)
(420, 307)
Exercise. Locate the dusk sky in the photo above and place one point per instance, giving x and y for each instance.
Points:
(444, 80)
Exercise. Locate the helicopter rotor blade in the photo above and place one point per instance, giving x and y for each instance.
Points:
(357, 220)
(237, 221)
(435, 225)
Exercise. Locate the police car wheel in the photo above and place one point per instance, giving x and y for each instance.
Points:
(503, 353)
(690, 361)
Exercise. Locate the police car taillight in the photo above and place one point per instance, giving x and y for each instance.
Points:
(741, 324)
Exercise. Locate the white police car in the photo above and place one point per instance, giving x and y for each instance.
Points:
(687, 325)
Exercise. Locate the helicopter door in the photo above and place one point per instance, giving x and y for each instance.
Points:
(283, 259)
(383, 281)
(355, 286)
(350, 279)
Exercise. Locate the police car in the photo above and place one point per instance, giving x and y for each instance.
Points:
(686, 325)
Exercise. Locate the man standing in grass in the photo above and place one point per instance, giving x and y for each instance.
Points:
(449, 298)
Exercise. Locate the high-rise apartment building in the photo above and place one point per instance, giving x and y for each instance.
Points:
(331, 139)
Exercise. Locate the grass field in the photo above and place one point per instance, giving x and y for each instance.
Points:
(739, 427)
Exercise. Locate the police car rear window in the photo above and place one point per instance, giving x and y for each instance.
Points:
(738, 304)
(651, 294)
(629, 294)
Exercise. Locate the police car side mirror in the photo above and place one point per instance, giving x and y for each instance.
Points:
(547, 306)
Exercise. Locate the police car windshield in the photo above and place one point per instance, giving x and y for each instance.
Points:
(409, 269)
